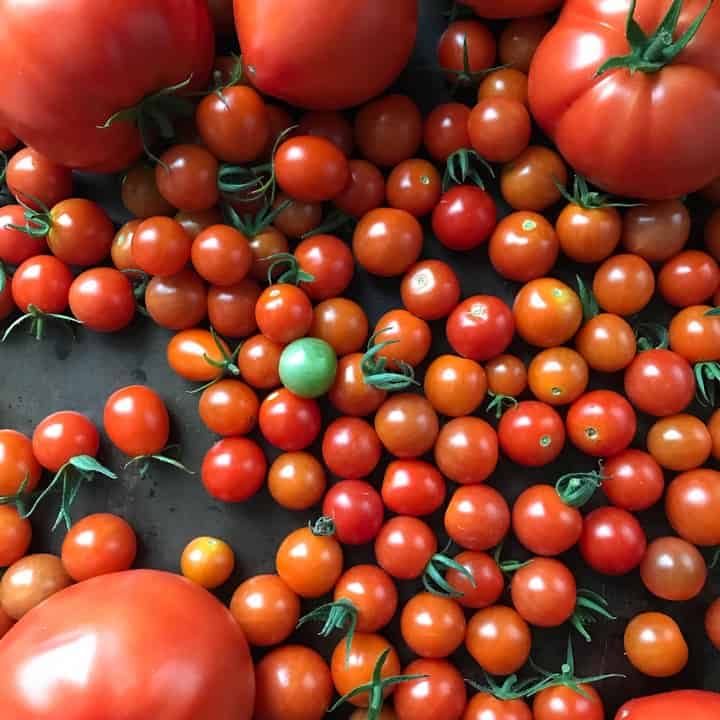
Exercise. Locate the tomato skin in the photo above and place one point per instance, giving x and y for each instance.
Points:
(329, 260)
(64, 435)
(15, 536)
(601, 423)
(404, 546)
(269, 242)
(195, 221)
(411, 335)
(694, 335)
(372, 591)
(484, 706)
(16, 246)
(714, 428)
(712, 623)
(607, 342)
(414, 186)
(466, 450)
(136, 420)
(7, 305)
(30, 581)
(697, 704)
(506, 375)
(561, 702)
(350, 394)
(499, 128)
(231, 308)
(296, 481)
(121, 249)
(654, 645)
(465, 39)
(528, 181)
(558, 376)
(187, 177)
(432, 626)
(351, 448)
(331, 125)
(365, 190)
(430, 289)
(186, 353)
(480, 327)
(679, 442)
(288, 421)
(42, 281)
(544, 592)
(259, 361)
(633, 480)
(511, 8)
(160, 246)
(689, 278)
(177, 302)
(498, 639)
(357, 510)
(221, 255)
(588, 235)
(207, 561)
(102, 299)
(445, 130)
(489, 581)
(341, 323)
(464, 217)
(139, 613)
(612, 542)
(283, 313)
(455, 386)
(624, 284)
(656, 231)
(233, 469)
(692, 504)
(407, 425)
(31, 174)
(673, 569)
(7, 142)
(508, 82)
(17, 462)
(140, 195)
(441, 694)
(477, 517)
(531, 434)
(229, 407)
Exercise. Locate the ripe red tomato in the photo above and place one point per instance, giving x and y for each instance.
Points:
(480, 327)
(329, 260)
(412, 487)
(445, 130)
(588, 234)
(350, 394)
(296, 481)
(695, 335)
(351, 448)
(331, 125)
(187, 177)
(692, 505)
(365, 190)
(410, 337)
(430, 289)
(42, 281)
(477, 517)
(229, 407)
(712, 623)
(258, 361)
(414, 186)
(499, 128)
(607, 342)
(17, 246)
(187, 352)
(562, 702)
(520, 38)
(407, 425)
(612, 542)
(465, 48)
(507, 82)
(33, 177)
(506, 375)
(544, 592)
(455, 386)
(121, 250)
(140, 194)
(529, 182)
(432, 626)
(15, 536)
(673, 569)
(498, 639)
(689, 278)
(657, 230)
(488, 582)
(357, 510)
(601, 423)
(373, 593)
(698, 704)
(221, 255)
(633, 480)
(102, 299)
(288, 421)
(624, 284)
(231, 308)
(404, 546)
(64, 435)
(17, 463)
(233, 469)
(441, 692)
(510, 9)
(283, 313)
(160, 246)
(466, 450)
(558, 376)
(679, 442)
(531, 433)
(464, 217)
(341, 323)
(178, 302)
(485, 706)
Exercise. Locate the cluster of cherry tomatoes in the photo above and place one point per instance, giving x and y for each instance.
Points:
(270, 272)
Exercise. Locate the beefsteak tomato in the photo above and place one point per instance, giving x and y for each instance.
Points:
(695, 704)
(511, 8)
(67, 67)
(630, 93)
(122, 646)
(307, 54)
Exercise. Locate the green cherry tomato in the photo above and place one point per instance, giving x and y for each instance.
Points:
(307, 367)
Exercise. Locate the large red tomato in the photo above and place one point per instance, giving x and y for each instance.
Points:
(651, 132)
(121, 647)
(695, 704)
(511, 8)
(120, 53)
(322, 56)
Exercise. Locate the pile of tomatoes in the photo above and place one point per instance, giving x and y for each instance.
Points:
(250, 232)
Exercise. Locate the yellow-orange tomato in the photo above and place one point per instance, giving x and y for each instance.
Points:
(207, 561)
(558, 376)
(679, 442)
(455, 386)
(655, 645)
(296, 480)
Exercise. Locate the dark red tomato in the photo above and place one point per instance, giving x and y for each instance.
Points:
(566, 703)
(487, 583)
(280, 120)
(430, 289)
(351, 448)
(543, 523)
(601, 423)
(692, 505)
(466, 450)
(329, 260)
(233, 469)
(656, 230)
(465, 48)
(17, 246)
(7, 306)
(679, 442)
(356, 509)
(507, 82)
(140, 195)
(633, 480)
(221, 255)
(194, 222)
(289, 422)
(328, 124)
(231, 308)
(311, 169)
(7, 140)
(464, 217)
(258, 361)
(389, 130)
(485, 706)
(440, 693)
(410, 336)
(689, 278)
(341, 323)
(544, 592)
(121, 250)
(15, 538)
(446, 131)
(64, 435)
(660, 382)
(102, 299)
(673, 569)
(350, 394)
(187, 177)
(412, 487)
(506, 375)
(160, 246)
(136, 421)
(283, 313)
(32, 177)
(42, 281)
(365, 190)
(179, 301)
(531, 433)
(523, 246)
(712, 623)
(17, 463)
(612, 542)
(480, 327)
(522, 35)
(404, 547)
(477, 517)
(81, 233)
(499, 128)
(264, 245)
(414, 186)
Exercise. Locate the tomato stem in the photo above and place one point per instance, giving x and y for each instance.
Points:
(707, 378)
(460, 169)
(586, 198)
(374, 367)
(434, 581)
(145, 461)
(336, 222)
(511, 689)
(294, 275)
(252, 226)
(335, 616)
(499, 403)
(227, 366)
(652, 336)
(590, 606)
(576, 489)
(37, 320)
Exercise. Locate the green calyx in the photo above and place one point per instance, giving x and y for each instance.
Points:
(590, 305)
(500, 403)
(651, 53)
(294, 274)
(651, 336)
(590, 607)
(463, 167)
(713, 312)
(145, 461)
(467, 76)
(576, 489)
(511, 689)
(336, 222)
(586, 198)
(324, 526)
(252, 225)
(434, 580)
(38, 320)
(707, 378)
(3, 276)
(337, 615)
(374, 367)
(227, 366)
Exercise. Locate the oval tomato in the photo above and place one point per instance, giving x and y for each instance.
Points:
(695, 704)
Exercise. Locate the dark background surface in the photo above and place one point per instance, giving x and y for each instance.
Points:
(170, 508)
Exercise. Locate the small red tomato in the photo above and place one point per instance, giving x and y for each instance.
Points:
(612, 542)
(102, 299)
(430, 289)
(464, 217)
(283, 313)
(289, 422)
(351, 448)
(601, 423)
(357, 510)
(221, 255)
(477, 517)
(531, 433)
(487, 583)
(466, 450)
(413, 487)
(633, 480)
(233, 469)
(480, 327)
(62, 436)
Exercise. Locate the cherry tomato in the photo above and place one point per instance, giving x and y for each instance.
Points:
(544, 592)
(283, 313)
(659, 382)
(177, 302)
(543, 523)
(562, 702)
(695, 335)
(414, 186)
(293, 682)
(7, 305)
(387, 241)
(140, 195)
(506, 375)
(712, 234)
(455, 386)
(298, 219)
(712, 623)
(31, 177)
(507, 82)
(488, 582)
(341, 323)
(307, 367)
(588, 235)
(692, 505)
(187, 352)
(365, 190)
(231, 308)
(480, 327)
(657, 230)
(264, 245)
(531, 433)
(430, 289)
(679, 442)
(296, 481)
(17, 246)
(412, 487)
(97, 545)
(7, 141)
(408, 337)
(309, 563)
(673, 569)
(633, 480)
(280, 120)
(523, 246)
(233, 469)
(445, 130)
(30, 581)
(485, 706)
(407, 425)
(654, 645)
(547, 312)
(207, 561)
(288, 421)
(528, 182)
(612, 542)
(266, 609)
(186, 177)
(64, 435)
(350, 394)
(624, 284)
(328, 124)
(42, 281)
(477, 517)
(466, 450)
(229, 407)
(689, 278)
(465, 48)
(121, 250)
(329, 260)
(160, 246)
(499, 128)
(558, 376)
(388, 130)
(441, 692)
(498, 639)
(714, 429)
(432, 626)
(193, 222)
(601, 423)
(464, 217)
(357, 510)
(373, 593)
(17, 463)
(519, 40)
(102, 299)
(351, 448)
(404, 547)
(607, 342)
(15, 536)
(258, 361)
(221, 255)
